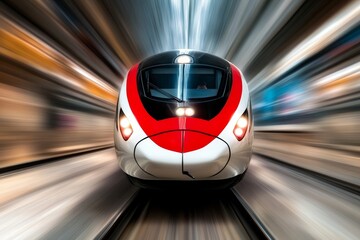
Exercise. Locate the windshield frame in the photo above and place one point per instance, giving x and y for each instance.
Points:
(224, 87)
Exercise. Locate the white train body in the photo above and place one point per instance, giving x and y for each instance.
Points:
(184, 116)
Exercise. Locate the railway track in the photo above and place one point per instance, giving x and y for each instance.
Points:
(185, 215)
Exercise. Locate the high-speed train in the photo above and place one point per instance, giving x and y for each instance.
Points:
(184, 117)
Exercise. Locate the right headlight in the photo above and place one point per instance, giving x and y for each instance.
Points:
(241, 126)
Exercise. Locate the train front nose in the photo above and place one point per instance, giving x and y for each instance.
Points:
(204, 155)
(162, 159)
(182, 154)
(185, 109)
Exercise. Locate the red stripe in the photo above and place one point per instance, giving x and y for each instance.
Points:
(195, 140)
(192, 141)
(217, 124)
(169, 140)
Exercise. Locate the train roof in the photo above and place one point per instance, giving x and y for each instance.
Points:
(197, 57)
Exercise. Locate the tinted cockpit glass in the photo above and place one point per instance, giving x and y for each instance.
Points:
(201, 82)
(165, 87)
(183, 83)
(162, 82)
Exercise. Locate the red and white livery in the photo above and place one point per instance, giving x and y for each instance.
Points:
(184, 117)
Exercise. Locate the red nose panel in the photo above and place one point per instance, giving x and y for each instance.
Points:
(169, 140)
(212, 159)
(195, 140)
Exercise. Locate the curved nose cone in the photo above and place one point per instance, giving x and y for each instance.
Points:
(164, 163)
(206, 161)
(157, 160)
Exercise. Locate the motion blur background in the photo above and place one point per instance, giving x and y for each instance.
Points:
(62, 64)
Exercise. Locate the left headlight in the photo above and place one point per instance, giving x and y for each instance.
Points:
(125, 126)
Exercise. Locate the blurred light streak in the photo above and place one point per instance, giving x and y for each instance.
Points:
(70, 199)
(270, 21)
(94, 79)
(352, 71)
(19, 44)
(180, 21)
(45, 95)
(326, 33)
(100, 18)
(294, 205)
(323, 36)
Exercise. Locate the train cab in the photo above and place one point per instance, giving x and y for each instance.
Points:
(184, 116)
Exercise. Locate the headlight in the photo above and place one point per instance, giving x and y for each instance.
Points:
(241, 126)
(125, 126)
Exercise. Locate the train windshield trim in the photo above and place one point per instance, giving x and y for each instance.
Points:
(205, 87)
(184, 82)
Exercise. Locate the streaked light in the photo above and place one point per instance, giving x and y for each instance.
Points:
(183, 59)
(329, 31)
(93, 79)
(342, 73)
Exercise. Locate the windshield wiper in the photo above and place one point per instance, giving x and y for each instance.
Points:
(165, 93)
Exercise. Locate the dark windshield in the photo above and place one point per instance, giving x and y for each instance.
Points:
(163, 88)
(202, 82)
(183, 83)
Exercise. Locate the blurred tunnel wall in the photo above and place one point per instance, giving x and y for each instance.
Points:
(62, 62)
